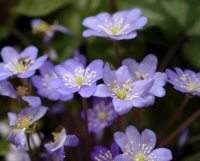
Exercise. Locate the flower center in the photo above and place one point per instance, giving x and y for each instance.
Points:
(23, 64)
(139, 157)
(56, 136)
(192, 86)
(101, 115)
(115, 30)
(79, 80)
(120, 93)
(23, 122)
(43, 27)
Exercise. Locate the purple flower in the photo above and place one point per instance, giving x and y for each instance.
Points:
(121, 25)
(101, 153)
(43, 83)
(80, 57)
(22, 123)
(74, 77)
(185, 81)
(7, 89)
(41, 27)
(126, 93)
(22, 65)
(146, 69)
(55, 149)
(101, 116)
(139, 147)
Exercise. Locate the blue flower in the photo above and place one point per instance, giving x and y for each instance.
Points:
(41, 27)
(101, 115)
(146, 69)
(74, 77)
(121, 25)
(55, 149)
(139, 147)
(185, 81)
(43, 83)
(21, 65)
(22, 123)
(7, 89)
(126, 93)
(100, 153)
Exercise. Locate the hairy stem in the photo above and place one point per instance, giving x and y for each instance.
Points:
(29, 147)
(176, 115)
(117, 53)
(177, 131)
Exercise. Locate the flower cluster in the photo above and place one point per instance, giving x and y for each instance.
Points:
(134, 146)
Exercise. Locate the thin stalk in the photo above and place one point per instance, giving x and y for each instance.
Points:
(168, 56)
(85, 109)
(29, 147)
(138, 116)
(176, 115)
(177, 131)
(117, 53)
(113, 6)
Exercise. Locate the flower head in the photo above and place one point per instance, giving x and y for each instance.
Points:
(77, 78)
(139, 147)
(101, 115)
(121, 25)
(41, 27)
(55, 149)
(43, 83)
(126, 93)
(146, 69)
(22, 65)
(185, 81)
(22, 123)
(100, 153)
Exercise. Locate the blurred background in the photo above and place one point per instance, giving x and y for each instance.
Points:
(172, 34)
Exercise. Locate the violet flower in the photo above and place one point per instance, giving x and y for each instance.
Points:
(21, 65)
(185, 81)
(121, 25)
(80, 57)
(41, 27)
(126, 93)
(146, 69)
(55, 149)
(22, 123)
(101, 115)
(139, 147)
(74, 77)
(7, 89)
(100, 153)
(43, 83)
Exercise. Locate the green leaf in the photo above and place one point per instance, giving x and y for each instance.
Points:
(4, 146)
(192, 52)
(39, 7)
(194, 157)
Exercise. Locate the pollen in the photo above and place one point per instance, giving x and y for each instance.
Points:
(192, 86)
(101, 115)
(79, 80)
(139, 157)
(115, 30)
(42, 28)
(121, 94)
(23, 122)
(56, 135)
(23, 64)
